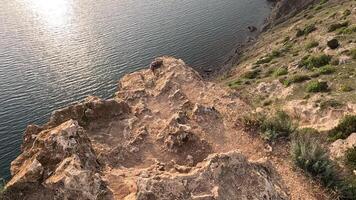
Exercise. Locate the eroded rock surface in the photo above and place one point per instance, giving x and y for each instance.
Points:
(164, 136)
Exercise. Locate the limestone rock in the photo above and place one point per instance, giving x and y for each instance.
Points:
(339, 147)
(220, 177)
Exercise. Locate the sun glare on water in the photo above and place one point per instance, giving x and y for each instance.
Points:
(54, 13)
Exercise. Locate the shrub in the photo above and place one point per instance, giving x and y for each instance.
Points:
(311, 157)
(251, 74)
(253, 121)
(280, 72)
(315, 61)
(278, 126)
(343, 130)
(336, 26)
(326, 70)
(350, 158)
(317, 86)
(306, 31)
(298, 78)
(312, 44)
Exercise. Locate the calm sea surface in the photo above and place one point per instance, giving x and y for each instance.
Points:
(56, 52)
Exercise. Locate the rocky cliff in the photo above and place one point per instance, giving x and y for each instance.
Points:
(167, 134)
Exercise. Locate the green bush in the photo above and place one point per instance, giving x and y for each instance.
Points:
(317, 86)
(343, 130)
(327, 70)
(309, 155)
(312, 44)
(334, 27)
(298, 78)
(350, 158)
(278, 126)
(270, 128)
(280, 72)
(315, 61)
(306, 31)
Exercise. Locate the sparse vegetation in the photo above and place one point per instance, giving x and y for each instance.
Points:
(334, 27)
(327, 70)
(278, 126)
(270, 128)
(309, 155)
(317, 86)
(350, 158)
(315, 61)
(280, 71)
(306, 31)
(298, 78)
(346, 126)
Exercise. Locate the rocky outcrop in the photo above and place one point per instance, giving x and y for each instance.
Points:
(61, 163)
(339, 147)
(219, 177)
(164, 136)
(284, 9)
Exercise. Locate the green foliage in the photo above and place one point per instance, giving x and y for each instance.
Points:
(306, 31)
(334, 27)
(315, 61)
(327, 70)
(317, 86)
(280, 72)
(270, 128)
(251, 74)
(323, 2)
(309, 155)
(278, 126)
(298, 78)
(343, 130)
(312, 44)
(350, 158)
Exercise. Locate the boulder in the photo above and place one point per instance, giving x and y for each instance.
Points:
(333, 43)
(339, 147)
